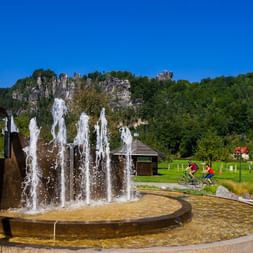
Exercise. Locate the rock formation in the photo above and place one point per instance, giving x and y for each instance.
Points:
(43, 88)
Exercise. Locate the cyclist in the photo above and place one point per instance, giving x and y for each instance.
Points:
(192, 169)
(188, 176)
(209, 173)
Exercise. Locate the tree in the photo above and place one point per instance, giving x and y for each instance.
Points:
(91, 102)
(22, 123)
(48, 74)
(210, 147)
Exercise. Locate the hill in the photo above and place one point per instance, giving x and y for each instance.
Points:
(176, 117)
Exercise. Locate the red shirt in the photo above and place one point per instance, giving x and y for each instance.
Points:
(210, 170)
(194, 167)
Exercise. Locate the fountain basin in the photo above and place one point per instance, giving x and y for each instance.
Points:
(45, 226)
(217, 225)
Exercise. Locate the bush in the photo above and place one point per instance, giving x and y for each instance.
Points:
(238, 188)
(211, 189)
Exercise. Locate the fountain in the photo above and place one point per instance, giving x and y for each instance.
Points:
(92, 180)
(126, 137)
(103, 154)
(58, 111)
(32, 179)
(82, 141)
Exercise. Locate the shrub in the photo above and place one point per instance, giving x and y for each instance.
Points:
(211, 189)
(238, 188)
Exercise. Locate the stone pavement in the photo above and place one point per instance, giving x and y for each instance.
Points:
(239, 245)
(169, 186)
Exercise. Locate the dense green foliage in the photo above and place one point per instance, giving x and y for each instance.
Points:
(181, 115)
(206, 120)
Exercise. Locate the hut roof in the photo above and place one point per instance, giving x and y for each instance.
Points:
(138, 148)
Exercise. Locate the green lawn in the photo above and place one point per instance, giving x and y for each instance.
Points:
(170, 172)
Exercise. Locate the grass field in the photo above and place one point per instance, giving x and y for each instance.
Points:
(171, 171)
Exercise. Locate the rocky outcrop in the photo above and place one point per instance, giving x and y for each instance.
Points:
(118, 91)
(164, 75)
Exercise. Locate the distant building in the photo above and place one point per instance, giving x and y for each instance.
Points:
(164, 75)
(145, 159)
(243, 151)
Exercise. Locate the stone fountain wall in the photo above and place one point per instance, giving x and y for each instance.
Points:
(13, 172)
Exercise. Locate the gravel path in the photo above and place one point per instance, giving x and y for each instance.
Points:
(171, 186)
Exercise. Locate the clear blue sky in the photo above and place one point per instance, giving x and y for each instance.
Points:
(193, 38)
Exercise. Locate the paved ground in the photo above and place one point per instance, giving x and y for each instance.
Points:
(175, 186)
(239, 245)
(171, 186)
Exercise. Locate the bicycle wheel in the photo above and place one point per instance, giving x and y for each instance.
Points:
(197, 182)
(182, 181)
(214, 182)
(205, 181)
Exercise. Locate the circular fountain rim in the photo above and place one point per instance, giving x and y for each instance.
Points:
(70, 230)
(241, 243)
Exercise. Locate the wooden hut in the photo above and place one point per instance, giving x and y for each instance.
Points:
(145, 159)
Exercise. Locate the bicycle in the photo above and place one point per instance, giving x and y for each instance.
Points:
(207, 182)
(186, 179)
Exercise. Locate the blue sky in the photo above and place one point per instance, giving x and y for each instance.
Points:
(193, 38)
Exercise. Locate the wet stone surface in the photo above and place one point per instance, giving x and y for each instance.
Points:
(146, 206)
